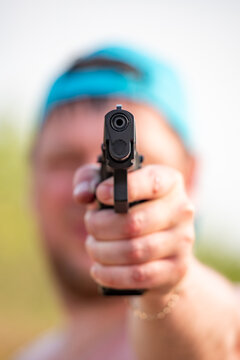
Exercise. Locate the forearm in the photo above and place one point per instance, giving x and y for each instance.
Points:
(203, 325)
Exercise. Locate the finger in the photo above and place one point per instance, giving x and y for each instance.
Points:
(140, 250)
(142, 219)
(149, 182)
(155, 274)
(84, 183)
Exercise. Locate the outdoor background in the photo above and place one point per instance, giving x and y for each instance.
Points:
(37, 39)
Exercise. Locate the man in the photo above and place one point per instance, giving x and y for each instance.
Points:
(188, 311)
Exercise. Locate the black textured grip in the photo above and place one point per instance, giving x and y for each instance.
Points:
(120, 191)
(120, 292)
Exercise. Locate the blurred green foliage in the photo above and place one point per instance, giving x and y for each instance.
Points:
(27, 302)
(220, 259)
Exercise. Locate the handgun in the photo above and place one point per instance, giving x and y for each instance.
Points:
(119, 155)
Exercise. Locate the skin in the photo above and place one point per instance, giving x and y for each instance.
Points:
(149, 248)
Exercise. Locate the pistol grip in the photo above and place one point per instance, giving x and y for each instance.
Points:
(120, 292)
(120, 191)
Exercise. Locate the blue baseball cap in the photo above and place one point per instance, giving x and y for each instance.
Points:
(144, 79)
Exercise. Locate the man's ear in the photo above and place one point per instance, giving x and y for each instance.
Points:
(191, 173)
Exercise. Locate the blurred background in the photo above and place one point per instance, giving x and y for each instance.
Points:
(37, 38)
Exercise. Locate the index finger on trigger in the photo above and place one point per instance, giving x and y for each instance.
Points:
(85, 182)
(147, 183)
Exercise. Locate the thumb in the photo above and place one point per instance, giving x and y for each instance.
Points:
(85, 182)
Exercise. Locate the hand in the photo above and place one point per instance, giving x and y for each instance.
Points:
(150, 246)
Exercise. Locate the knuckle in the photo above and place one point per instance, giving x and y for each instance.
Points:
(186, 209)
(181, 269)
(136, 251)
(156, 184)
(188, 237)
(185, 236)
(139, 274)
(134, 224)
(148, 248)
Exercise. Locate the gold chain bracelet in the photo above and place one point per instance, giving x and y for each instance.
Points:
(142, 315)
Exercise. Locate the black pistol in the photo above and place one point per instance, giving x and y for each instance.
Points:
(119, 156)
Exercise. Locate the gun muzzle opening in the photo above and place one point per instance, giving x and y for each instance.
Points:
(119, 122)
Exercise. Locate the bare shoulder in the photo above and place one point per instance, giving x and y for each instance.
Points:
(45, 347)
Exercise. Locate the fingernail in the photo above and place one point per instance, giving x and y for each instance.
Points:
(93, 184)
(82, 188)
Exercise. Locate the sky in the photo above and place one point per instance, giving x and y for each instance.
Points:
(199, 38)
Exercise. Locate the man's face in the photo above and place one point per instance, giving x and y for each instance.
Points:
(71, 138)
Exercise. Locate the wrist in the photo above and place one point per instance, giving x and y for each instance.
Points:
(155, 302)
(141, 312)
